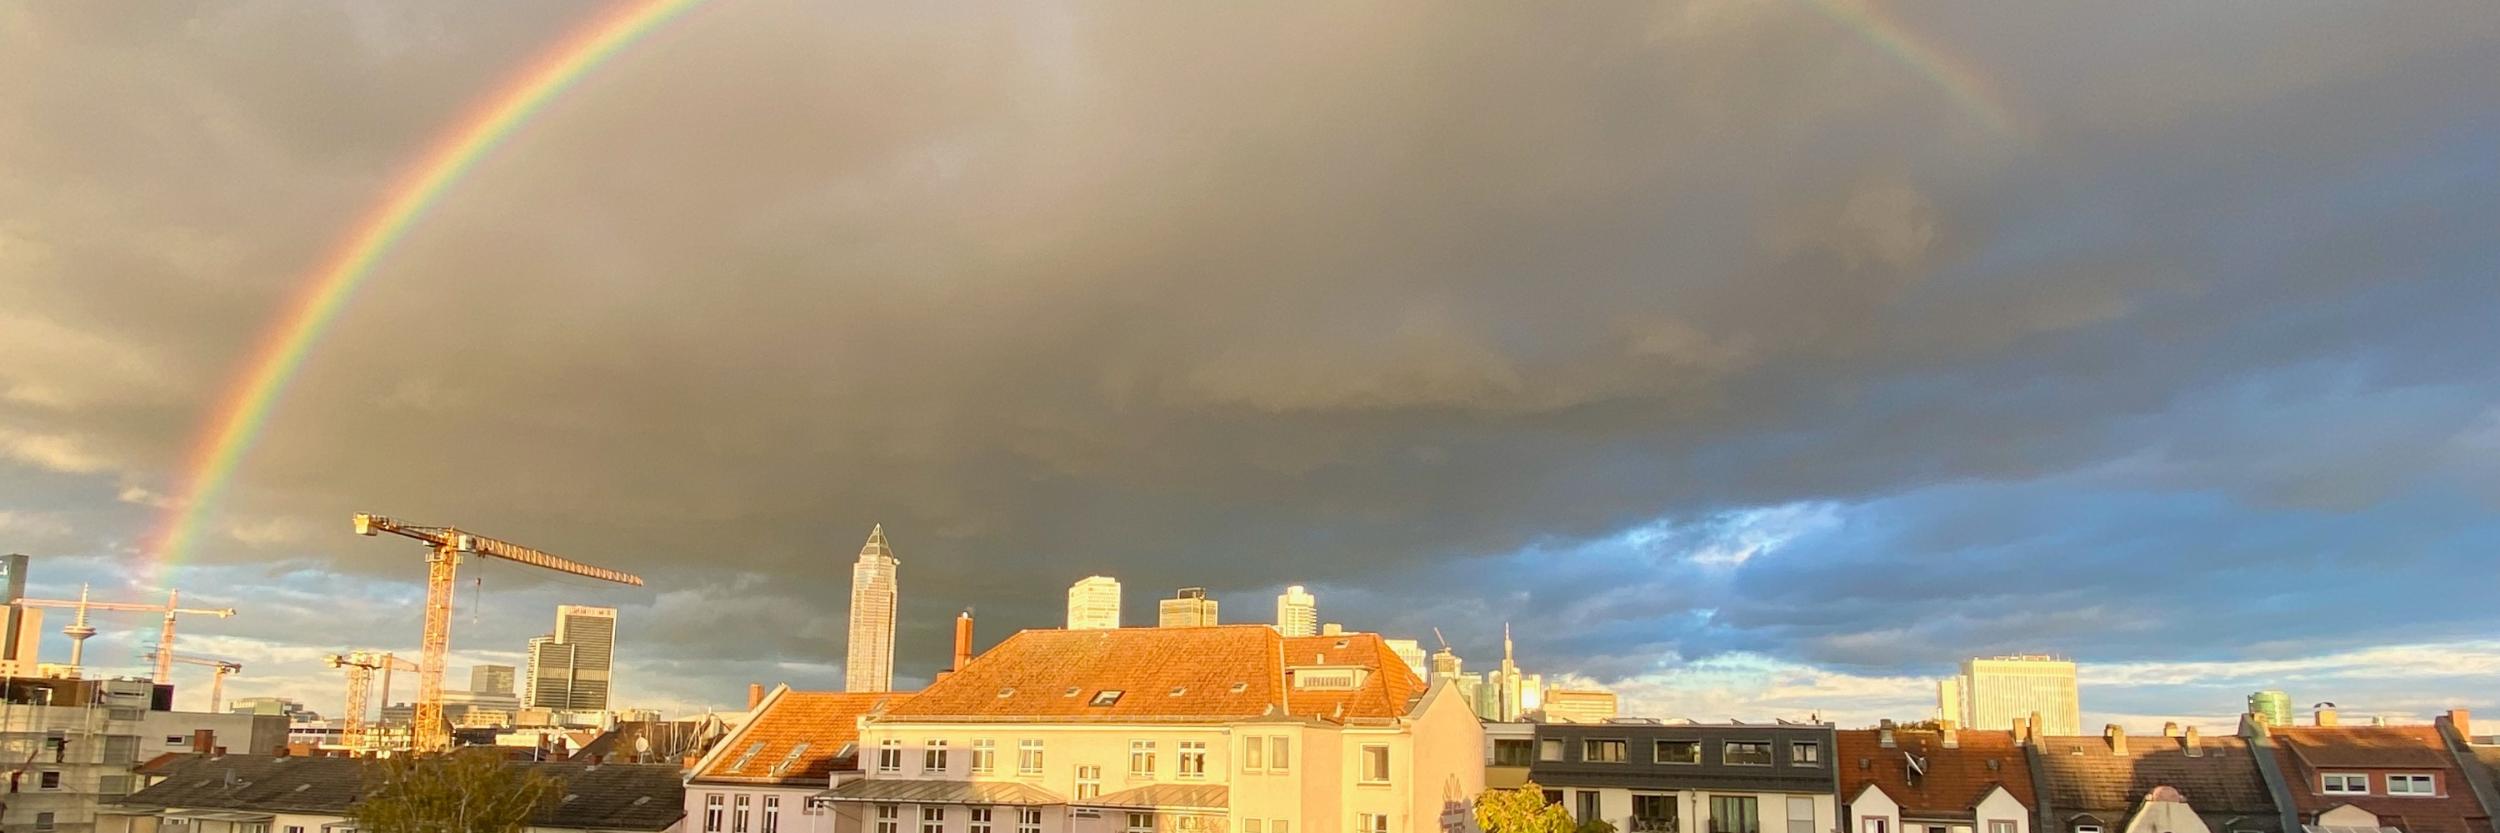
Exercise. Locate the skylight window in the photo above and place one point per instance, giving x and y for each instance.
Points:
(747, 756)
(1107, 696)
(1179, 690)
(1071, 692)
(1007, 692)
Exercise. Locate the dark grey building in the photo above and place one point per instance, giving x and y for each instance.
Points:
(1655, 777)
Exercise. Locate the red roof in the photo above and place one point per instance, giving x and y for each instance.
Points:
(2308, 751)
(1955, 779)
(768, 748)
(1124, 675)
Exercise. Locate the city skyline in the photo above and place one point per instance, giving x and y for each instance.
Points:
(1748, 358)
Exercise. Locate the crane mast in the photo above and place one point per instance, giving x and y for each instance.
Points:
(444, 548)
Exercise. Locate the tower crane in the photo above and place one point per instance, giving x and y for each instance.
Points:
(217, 680)
(446, 546)
(360, 666)
(79, 630)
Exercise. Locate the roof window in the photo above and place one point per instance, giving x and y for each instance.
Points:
(746, 756)
(1240, 687)
(1072, 691)
(1106, 697)
(1179, 690)
(1007, 692)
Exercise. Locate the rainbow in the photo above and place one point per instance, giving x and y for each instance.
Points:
(235, 424)
(1965, 84)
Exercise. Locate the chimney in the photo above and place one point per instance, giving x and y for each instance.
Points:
(1952, 734)
(2041, 727)
(2170, 729)
(963, 639)
(2117, 738)
(755, 695)
(1883, 734)
(204, 741)
(2187, 743)
(2326, 714)
(1332, 629)
(2464, 721)
(2022, 732)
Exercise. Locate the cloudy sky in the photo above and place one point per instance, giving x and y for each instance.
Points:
(1754, 358)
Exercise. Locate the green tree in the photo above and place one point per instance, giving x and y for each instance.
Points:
(461, 792)
(1523, 810)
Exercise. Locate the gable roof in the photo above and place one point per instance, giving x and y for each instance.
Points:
(603, 797)
(1955, 781)
(2080, 774)
(2306, 751)
(795, 737)
(1209, 674)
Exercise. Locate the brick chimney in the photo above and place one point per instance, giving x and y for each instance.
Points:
(963, 640)
(1883, 734)
(204, 741)
(2170, 729)
(1952, 735)
(2325, 715)
(2117, 737)
(2022, 732)
(755, 695)
(2464, 721)
(2187, 743)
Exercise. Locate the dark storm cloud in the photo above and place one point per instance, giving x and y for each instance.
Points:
(1368, 298)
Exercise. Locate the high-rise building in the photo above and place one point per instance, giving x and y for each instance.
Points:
(2272, 707)
(869, 663)
(1297, 612)
(1566, 705)
(1094, 604)
(1996, 691)
(1949, 699)
(571, 669)
(1413, 652)
(1189, 608)
(491, 680)
(21, 628)
(1508, 693)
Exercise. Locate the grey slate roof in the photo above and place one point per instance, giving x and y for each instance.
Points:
(2082, 775)
(603, 797)
(940, 791)
(1166, 796)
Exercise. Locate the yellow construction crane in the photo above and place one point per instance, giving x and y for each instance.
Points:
(360, 666)
(79, 630)
(446, 546)
(216, 682)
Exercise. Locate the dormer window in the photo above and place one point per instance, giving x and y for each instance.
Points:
(2417, 784)
(1328, 679)
(2344, 783)
(1107, 697)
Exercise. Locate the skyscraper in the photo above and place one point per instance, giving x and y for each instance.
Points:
(1189, 608)
(869, 665)
(1996, 691)
(1413, 652)
(1507, 693)
(1297, 612)
(1094, 604)
(491, 679)
(2272, 707)
(570, 670)
(1949, 699)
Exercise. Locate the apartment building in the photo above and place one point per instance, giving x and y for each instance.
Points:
(767, 776)
(1646, 776)
(2401, 777)
(1168, 730)
(1944, 780)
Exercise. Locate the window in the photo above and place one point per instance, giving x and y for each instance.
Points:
(738, 820)
(1745, 753)
(1736, 813)
(43, 821)
(2087, 828)
(932, 819)
(1028, 757)
(1280, 754)
(889, 818)
(1088, 782)
(984, 756)
(1252, 826)
(1679, 752)
(1513, 751)
(1549, 749)
(1028, 820)
(51, 779)
(176, 740)
(1602, 751)
(1805, 753)
(294, 828)
(772, 815)
(2346, 783)
(1800, 814)
(980, 820)
(1279, 826)
(1141, 823)
(1375, 764)
(1141, 758)
(933, 757)
(2409, 785)
(2000, 826)
(1193, 759)
(889, 755)
(1107, 697)
(1654, 814)
(1371, 823)
(1876, 824)
(1253, 754)
(1553, 797)
(1590, 809)
(711, 813)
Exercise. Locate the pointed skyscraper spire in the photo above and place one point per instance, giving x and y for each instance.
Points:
(869, 665)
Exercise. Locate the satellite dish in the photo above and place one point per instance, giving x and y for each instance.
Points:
(642, 745)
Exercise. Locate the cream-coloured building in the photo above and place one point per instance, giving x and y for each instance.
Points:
(1297, 612)
(1994, 692)
(1582, 705)
(1094, 603)
(869, 662)
(1227, 729)
(1189, 608)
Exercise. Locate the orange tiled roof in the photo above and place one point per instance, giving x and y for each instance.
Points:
(2305, 751)
(826, 721)
(1219, 673)
(1955, 781)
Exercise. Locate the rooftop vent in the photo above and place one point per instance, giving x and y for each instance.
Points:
(1108, 696)
(1240, 687)
(302, 787)
(1072, 691)
(1179, 690)
(568, 797)
(1007, 692)
(640, 800)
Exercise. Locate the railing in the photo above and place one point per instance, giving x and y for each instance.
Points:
(1653, 825)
